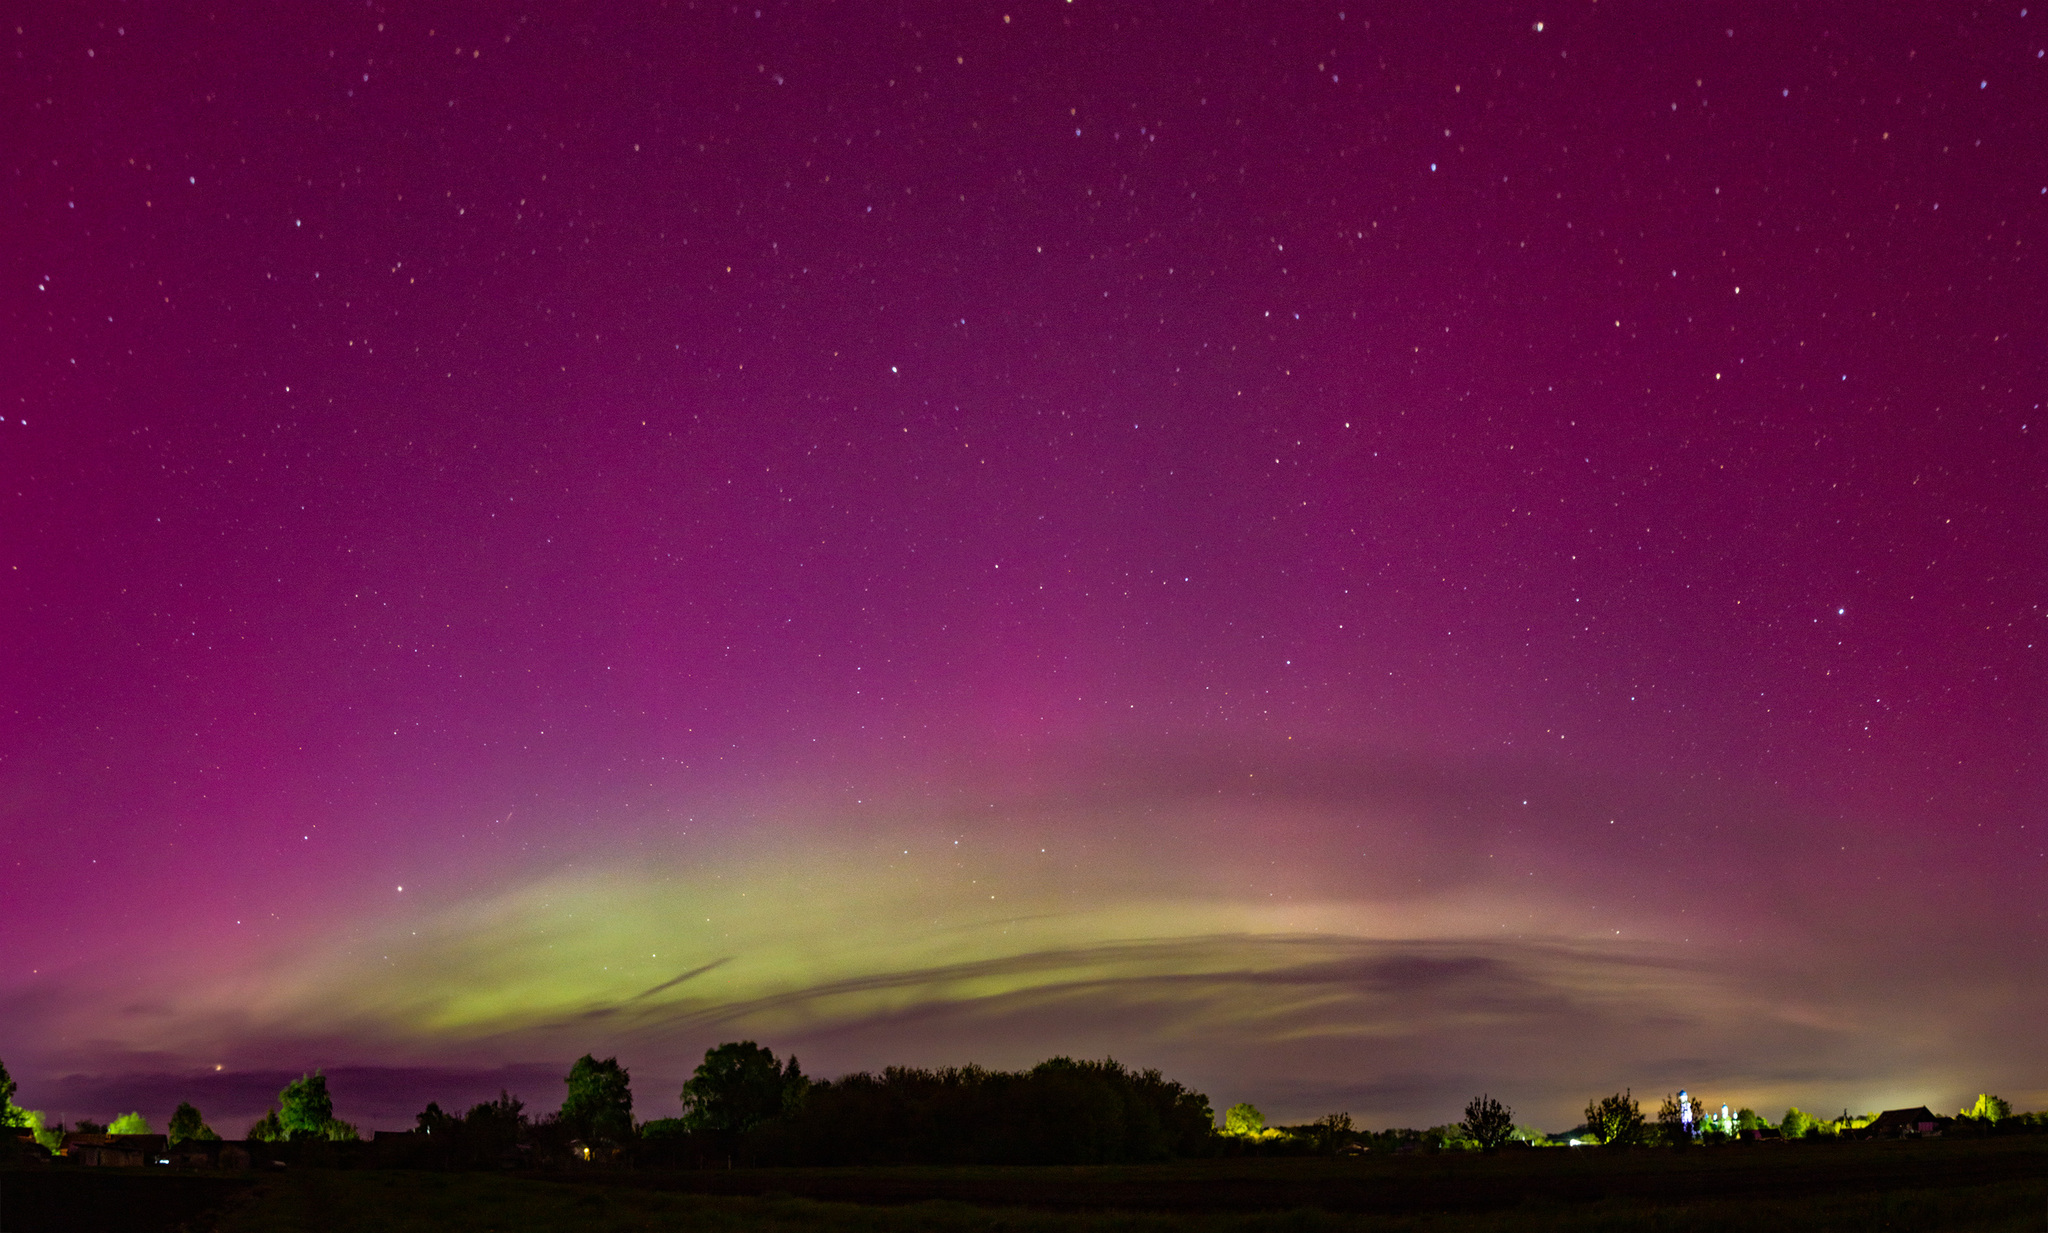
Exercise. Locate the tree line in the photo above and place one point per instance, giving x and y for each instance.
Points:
(1684, 1119)
(303, 1110)
(744, 1106)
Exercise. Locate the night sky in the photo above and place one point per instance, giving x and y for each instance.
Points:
(1354, 553)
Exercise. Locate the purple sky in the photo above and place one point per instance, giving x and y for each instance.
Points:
(1353, 553)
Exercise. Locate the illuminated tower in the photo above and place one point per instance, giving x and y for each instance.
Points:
(1685, 1114)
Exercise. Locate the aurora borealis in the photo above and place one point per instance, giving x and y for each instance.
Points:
(1355, 554)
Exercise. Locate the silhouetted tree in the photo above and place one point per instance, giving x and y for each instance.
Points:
(306, 1111)
(488, 1136)
(1332, 1131)
(12, 1114)
(1061, 1111)
(267, 1129)
(432, 1121)
(738, 1086)
(1488, 1122)
(9, 1115)
(304, 1107)
(599, 1104)
(187, 1124)
(1617, 1119)
(491, 1131)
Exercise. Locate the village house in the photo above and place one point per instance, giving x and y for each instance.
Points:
(25, 1135)
(1917, 1122)
(115, 1151)
(210, 1154)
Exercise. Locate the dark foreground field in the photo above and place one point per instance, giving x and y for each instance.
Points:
(1990, 1185)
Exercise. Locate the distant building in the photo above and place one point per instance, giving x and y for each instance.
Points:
(116, 1151)
(195, 1154)
(210, 1154)
(26, 1137)
(1917, 1122)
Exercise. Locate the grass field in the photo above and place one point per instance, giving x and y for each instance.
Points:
(1987, 1185)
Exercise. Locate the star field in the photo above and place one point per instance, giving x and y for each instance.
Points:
(1210, 533)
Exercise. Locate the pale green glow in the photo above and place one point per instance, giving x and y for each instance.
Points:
(788, 935)
(1246, 948)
